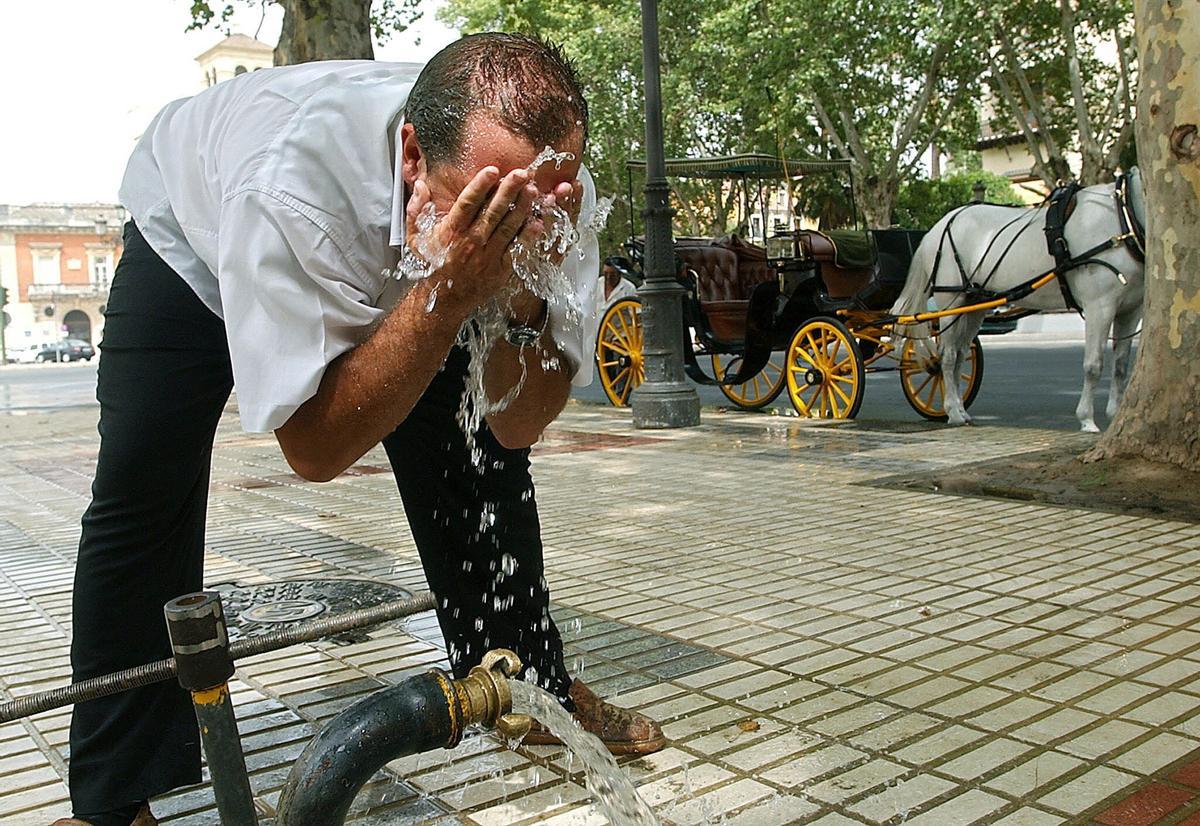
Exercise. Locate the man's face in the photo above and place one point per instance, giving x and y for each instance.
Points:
(487, 143)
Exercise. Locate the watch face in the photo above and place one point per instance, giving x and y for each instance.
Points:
(521, 335)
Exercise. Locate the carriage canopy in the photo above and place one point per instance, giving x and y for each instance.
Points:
(745, 166)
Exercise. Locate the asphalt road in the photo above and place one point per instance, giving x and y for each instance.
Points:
(1034, 384)
(1024, 385)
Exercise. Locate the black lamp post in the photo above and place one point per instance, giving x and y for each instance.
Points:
(665, 398)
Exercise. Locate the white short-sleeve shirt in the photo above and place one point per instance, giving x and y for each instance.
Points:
(275, 196)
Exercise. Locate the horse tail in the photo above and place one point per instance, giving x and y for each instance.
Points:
(918, 287)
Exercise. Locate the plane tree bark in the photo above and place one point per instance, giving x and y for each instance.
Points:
(1160, 417)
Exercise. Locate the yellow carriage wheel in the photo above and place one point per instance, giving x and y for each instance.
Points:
(825, 375)
(923, 383)
(755, 393)
(619, 351)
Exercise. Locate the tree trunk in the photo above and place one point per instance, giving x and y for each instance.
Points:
(1055, 169)
(876, 198)
(1094, 168)
(1160, 418)
(324, 30)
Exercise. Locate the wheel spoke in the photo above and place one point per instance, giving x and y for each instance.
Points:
(624, 332)
(836, 348)
(934, 392)
(806, 404)
(616, 348)
(807, 357)
(839, 391)
(813, 347)
(917, 393)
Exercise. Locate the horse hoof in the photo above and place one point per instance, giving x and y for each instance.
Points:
(1089, 427)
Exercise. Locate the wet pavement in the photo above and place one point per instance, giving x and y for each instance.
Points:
(818, 650)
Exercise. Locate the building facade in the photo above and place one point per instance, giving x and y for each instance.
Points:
(233, 56)
(56, 262)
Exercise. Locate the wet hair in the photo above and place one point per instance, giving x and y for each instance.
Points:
(526, 84)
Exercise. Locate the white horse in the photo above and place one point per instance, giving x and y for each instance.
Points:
(1000, 247)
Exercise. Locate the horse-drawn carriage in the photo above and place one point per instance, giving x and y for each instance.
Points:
(807, 310)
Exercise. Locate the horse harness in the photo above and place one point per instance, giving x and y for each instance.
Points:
(1059, 204)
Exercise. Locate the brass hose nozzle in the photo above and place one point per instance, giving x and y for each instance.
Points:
(484, 696)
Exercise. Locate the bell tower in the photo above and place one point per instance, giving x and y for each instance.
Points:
(235, 55)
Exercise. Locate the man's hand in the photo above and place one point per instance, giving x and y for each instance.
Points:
(567, 197)
(476, 234)
(541, 367)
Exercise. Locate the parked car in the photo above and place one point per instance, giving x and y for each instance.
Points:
(72, 349)
(24, 353)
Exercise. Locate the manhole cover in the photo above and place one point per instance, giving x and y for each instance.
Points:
(251, 610)
(283, 610)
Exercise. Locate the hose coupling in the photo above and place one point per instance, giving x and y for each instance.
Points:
(484, 697)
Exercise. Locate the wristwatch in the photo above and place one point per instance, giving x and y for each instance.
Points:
(520, 334)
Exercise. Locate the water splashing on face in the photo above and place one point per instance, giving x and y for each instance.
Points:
(425, 252)
(538, 266)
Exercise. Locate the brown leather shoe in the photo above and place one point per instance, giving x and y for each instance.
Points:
(622, 731)
(143, 818)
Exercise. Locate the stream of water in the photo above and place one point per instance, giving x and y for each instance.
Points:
(612, 789)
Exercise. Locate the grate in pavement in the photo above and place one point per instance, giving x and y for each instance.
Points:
(253, 610)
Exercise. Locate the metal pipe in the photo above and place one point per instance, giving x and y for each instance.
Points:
(161, 670)
(424, 712)
(196, 625)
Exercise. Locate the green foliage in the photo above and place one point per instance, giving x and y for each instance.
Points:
(1069, 70)
(923, 201)
(742, 76)
(203, 15)
(388, 17)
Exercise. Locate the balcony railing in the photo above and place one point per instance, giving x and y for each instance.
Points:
(42, 292)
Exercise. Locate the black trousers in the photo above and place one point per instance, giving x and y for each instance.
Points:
(164, 379)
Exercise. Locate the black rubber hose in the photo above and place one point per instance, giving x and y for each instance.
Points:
(161, 670)
(413, 716)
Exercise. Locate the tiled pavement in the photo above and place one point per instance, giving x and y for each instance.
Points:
(819, 650)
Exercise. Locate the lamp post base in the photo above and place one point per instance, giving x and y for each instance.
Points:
(661, 405)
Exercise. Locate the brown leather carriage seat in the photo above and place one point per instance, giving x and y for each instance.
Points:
(843, 275)
(727, 271)
(752, 262)
(718, 288)
(716, 271)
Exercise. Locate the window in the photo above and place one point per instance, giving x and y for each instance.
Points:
(99, 266)
(239, 70)
(45, 268)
